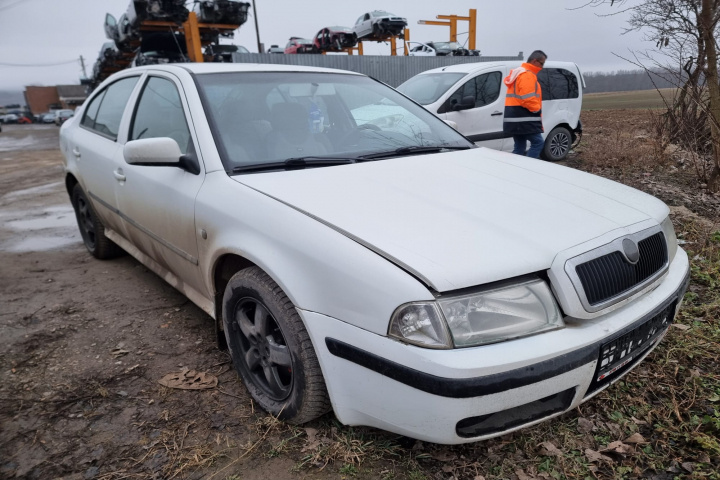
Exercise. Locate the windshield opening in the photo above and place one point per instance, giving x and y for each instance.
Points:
(269, 117)
(426, 89)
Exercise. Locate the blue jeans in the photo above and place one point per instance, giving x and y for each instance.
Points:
(536, 144)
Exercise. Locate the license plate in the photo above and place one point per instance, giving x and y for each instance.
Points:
(621, 351)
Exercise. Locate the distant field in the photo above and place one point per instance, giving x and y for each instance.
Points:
(635, 99)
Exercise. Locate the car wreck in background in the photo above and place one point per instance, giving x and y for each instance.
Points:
(378, 24)
(334, 39)
(161, 47)
(440, 49)
(299, 45)
(222, 11)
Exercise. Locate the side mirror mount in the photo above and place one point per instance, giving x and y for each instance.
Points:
(162, 151)
(466, 103)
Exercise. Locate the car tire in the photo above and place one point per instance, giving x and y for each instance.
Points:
(557, 144)
(271, 349)
(91, 228)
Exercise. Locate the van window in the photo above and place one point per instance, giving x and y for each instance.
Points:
(485, 88)
(558, 84)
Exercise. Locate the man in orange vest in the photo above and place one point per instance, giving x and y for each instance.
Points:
(523, 106)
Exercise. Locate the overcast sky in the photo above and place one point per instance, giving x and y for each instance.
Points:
(41, 41)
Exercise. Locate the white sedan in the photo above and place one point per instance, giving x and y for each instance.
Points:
(382, 267)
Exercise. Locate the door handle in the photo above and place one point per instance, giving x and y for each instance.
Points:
(495, 114)
(76, 152)
(118, 174)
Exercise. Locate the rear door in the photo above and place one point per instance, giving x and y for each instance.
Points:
(483, 124)
(158, 202)
(561, 97)
(96, 150)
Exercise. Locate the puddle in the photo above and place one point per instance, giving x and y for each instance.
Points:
(42, 243)
(32, 191)
(8, 144)
(39, 229)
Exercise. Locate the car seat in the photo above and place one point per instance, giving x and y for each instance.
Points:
(243, 130)
(291, 136)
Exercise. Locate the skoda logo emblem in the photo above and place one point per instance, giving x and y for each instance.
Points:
(630, 249)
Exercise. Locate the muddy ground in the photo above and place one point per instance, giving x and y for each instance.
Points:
(84, 343)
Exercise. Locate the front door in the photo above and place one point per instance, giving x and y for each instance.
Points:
(158, 202)
(483, 124)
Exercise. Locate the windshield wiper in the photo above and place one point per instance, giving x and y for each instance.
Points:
(411, 150)
(298, 163)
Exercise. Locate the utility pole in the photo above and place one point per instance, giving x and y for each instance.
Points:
(82, 63)
(257, 30)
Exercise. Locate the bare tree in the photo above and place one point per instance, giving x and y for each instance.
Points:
(686, 31)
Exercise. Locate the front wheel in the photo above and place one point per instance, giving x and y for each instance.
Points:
(271, 349)
(557, 144)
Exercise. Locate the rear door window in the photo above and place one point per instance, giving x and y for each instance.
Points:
(105, 120)
(558, 84)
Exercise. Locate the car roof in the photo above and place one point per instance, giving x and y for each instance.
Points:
(216, 67)
(475, 66)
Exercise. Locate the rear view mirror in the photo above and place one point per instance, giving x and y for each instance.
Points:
(162, 151)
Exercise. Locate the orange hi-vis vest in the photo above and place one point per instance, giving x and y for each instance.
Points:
(523, 102)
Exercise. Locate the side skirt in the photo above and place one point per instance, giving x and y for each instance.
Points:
(208, 306)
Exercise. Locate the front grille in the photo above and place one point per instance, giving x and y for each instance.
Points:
(610, 275)
(622, 353)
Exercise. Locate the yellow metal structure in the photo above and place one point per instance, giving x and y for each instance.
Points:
(193, 32)
(452, 21)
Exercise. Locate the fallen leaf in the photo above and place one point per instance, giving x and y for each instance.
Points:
(312, 440)
(635, 438)
(443, 456)
(447, 468)
(704, 458)
(594, 456)
(522, 476)
(548, 449)
(585, 425)
(688, 466)
(638, 422)
(189, 380)
(479, 477)
(618, 447)
(680, 326)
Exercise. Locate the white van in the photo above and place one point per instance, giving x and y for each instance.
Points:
(473, 96)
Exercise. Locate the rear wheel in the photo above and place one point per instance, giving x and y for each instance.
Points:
(557, 144)
(271, 349)
(91, 228)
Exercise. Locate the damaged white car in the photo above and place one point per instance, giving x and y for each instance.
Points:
(384, 268)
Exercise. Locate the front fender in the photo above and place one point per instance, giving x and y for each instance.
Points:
(318, 268)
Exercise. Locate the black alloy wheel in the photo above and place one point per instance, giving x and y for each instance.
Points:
(266, 356)
(557, 144)
(271, 348)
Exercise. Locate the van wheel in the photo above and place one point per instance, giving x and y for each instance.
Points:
(557, 144)
(271, 349)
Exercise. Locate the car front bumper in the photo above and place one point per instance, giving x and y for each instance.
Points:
(469, 394)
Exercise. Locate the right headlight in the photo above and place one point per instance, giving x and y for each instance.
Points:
(670, 238)
(489, 316)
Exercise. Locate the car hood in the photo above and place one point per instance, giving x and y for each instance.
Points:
(465, 218)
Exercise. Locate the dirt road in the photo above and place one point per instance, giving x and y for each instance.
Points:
(85, 343)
